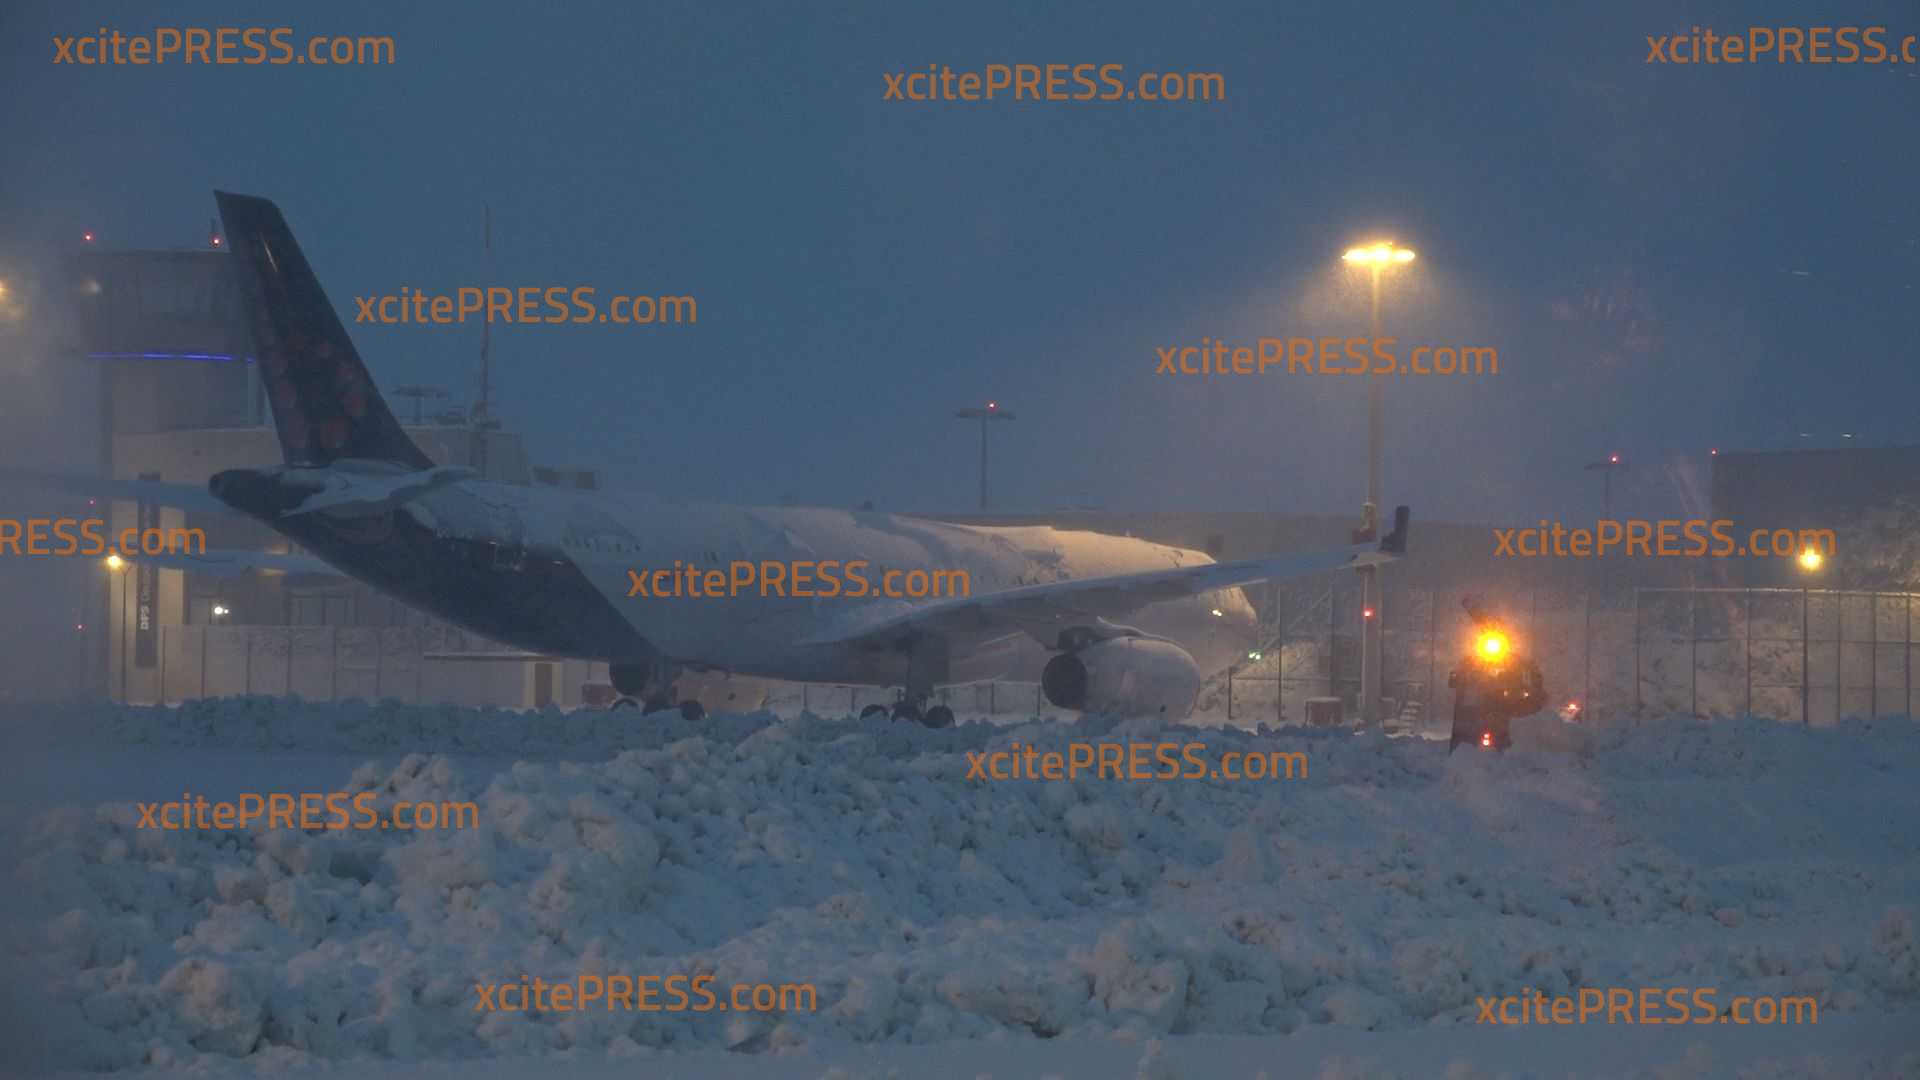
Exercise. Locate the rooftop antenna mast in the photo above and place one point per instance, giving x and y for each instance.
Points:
(486, 325)
(482, 417)
(418, 393)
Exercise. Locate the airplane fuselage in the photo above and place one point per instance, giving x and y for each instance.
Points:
(553, 571)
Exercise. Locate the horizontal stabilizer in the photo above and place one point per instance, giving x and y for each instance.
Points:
(194, 497)
(234, 563)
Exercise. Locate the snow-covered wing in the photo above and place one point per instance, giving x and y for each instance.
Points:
(1059, 603)
(495, 657)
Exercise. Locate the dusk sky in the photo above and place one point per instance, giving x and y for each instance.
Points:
(1668, 258)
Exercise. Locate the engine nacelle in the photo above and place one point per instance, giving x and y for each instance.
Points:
(1127, 676)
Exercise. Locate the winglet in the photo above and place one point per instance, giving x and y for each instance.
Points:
(1395, 542)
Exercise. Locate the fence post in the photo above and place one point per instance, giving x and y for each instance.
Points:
(1432, 705)
(1839, 655)
(1906, 663)
(1586, 648)
(1636, 648)
(1333, 636)
(1873, 656)
(1279, 655)
(1693, 652)
(1749, 636)
(1806, 669)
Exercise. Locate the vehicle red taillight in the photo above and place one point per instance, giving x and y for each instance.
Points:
(1486, 738)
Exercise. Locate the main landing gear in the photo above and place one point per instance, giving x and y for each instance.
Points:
(693, 711)
(937, 717)
(649, 688)
(926, 667)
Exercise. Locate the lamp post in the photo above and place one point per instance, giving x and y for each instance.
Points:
(1606, 469)
(993, 411)
(1810, 562)
(1377, 259)
(115, 564)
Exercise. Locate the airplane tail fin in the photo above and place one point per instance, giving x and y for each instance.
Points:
(1395, 542)
(324, 403)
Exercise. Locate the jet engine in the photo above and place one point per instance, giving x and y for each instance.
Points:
(1126, 676)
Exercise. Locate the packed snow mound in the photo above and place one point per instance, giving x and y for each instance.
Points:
(1384, 890)
(379, 728)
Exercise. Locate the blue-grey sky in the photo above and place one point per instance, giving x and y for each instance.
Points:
(1668, 258)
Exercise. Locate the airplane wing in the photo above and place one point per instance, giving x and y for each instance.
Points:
(1036, 608)
(492, 657)
(217, 563)
(193, 497)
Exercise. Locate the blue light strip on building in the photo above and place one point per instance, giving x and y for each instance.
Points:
(164, 356)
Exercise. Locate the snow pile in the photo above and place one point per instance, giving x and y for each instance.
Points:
(375, 728)
(1383, 892)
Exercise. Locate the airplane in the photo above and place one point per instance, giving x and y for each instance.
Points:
(1110, 624)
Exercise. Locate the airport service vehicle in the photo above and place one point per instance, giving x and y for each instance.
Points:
(1494, 685)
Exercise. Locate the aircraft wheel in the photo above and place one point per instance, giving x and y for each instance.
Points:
(629, 679)
(872, 711)
(938, 717)
(693, 711)
(623, 703)
(904, 711)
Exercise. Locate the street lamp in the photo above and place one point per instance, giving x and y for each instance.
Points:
(993, 411)
(1809, 561)
(114, 565)
(1384, 254)
(1607, 468)
(1377, 258)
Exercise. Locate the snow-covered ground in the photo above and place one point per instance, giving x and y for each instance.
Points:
(1339, 925)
